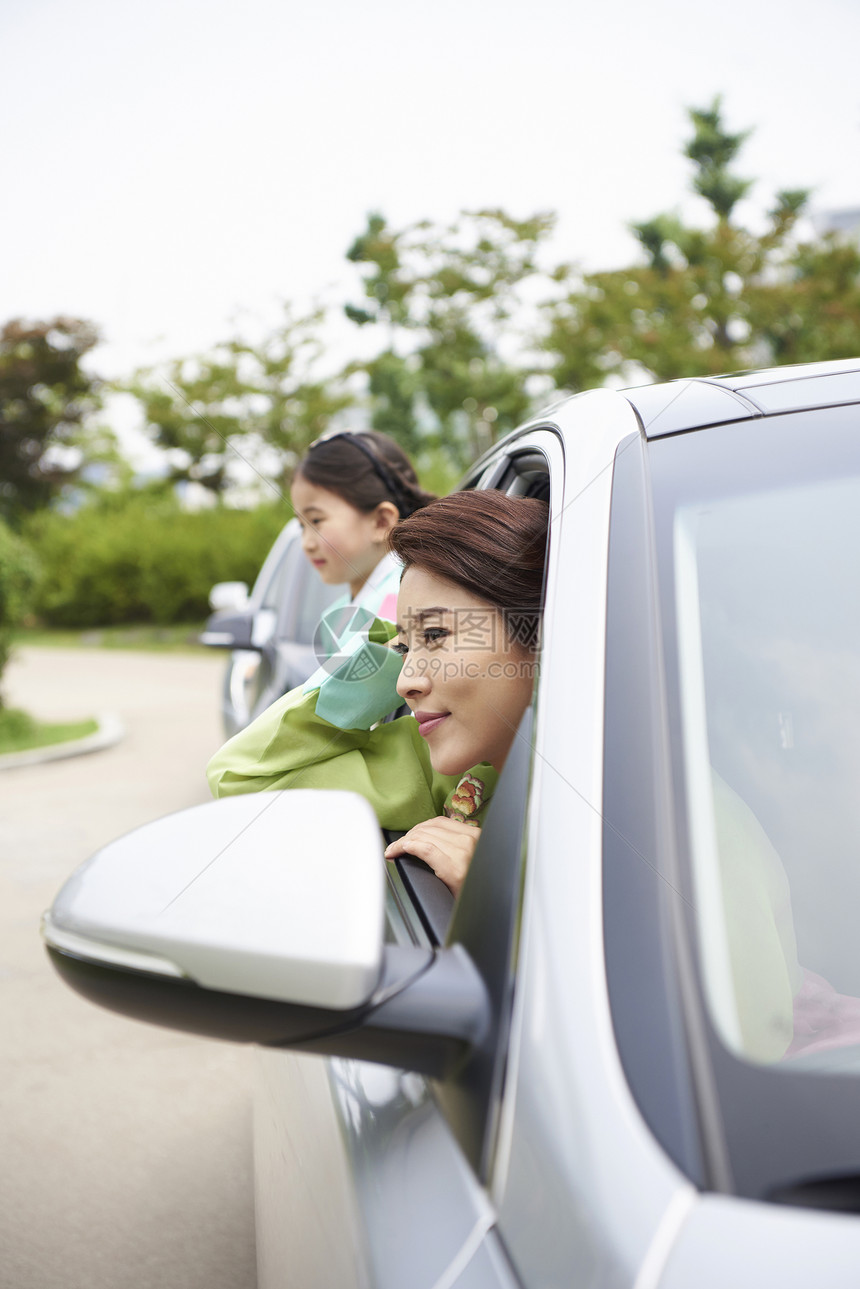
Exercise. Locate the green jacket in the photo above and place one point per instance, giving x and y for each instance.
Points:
(327, 736)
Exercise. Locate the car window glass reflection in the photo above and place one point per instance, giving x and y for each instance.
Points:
(768, 625)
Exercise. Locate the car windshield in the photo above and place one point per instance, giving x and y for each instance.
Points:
(758, 528)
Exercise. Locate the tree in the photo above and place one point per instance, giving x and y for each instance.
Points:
(46, 397)
(17, 577)
(262, 402)
(187, 409)
(710, 299)
(813, 313)
(452, 368)
(712, 150)
(292, 393)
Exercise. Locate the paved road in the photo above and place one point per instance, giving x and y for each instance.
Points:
(124, 1149)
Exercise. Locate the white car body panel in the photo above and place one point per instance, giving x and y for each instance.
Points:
(599, 1155)
(727, 1241)
(401, 1206)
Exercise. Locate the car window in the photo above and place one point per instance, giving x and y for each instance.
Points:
(425, 902)
(272, 592)
(311, 598)
(731, 761)
(770, 671)
(486, 919)
(297, 594)
(527, 475)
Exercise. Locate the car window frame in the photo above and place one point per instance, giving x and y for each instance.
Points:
(639, 869)
(472, 1101)
(415, 889)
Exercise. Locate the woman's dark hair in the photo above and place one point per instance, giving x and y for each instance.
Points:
(365, 470)
(489, 543)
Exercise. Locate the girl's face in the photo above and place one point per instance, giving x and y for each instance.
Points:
(342, 543)
(467, 684)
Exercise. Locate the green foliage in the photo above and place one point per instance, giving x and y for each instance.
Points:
(17, 576)
(813, 312)
(393, 385)
(45, 400)
(467, 326)
(174, 637)
(258, 401)
(16, 727)
(387, 284)
(710, 299)
(19, 732)
(142, 559)
(451, 370)
(437, 472)
(712, 150)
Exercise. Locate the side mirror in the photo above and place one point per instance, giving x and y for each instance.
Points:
(228, 597)
(231, 624)
(252, 919)
(243, 630)
(232, 896)
(228, 630)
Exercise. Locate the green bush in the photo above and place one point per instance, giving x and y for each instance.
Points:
(142, 559)
(17, 574)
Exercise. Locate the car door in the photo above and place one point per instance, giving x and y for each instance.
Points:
(296, 599)
(286, 603)
(585, 1194)
(372, 1176)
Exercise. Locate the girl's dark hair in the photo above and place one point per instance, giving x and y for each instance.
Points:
(489, 543)
(365, 469)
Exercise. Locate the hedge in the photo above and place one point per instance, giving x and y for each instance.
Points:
(17, 575)
(144, 560)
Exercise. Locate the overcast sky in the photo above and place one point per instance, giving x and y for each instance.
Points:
(171, 162)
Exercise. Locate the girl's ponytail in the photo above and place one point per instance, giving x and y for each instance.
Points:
(412, 494)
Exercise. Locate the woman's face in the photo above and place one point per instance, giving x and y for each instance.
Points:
(465, 681)
(342, 543)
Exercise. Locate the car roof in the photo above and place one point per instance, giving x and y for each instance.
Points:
(680, 405)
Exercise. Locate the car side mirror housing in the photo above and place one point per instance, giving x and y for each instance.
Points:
(228, 597)
(261, 918)
(229, 630)
(231, 895)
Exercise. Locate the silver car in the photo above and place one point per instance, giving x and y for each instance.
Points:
(270, 632)
(630, 1054)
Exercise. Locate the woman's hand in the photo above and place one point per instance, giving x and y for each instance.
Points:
(447, 845)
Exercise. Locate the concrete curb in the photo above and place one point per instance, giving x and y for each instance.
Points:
(110, 731)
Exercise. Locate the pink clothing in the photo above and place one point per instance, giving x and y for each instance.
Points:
(823, 1018)
(388, 608)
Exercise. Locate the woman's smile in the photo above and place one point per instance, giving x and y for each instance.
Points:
(429, 721)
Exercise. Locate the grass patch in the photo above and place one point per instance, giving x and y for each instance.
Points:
(19, 732)
(178, 639)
